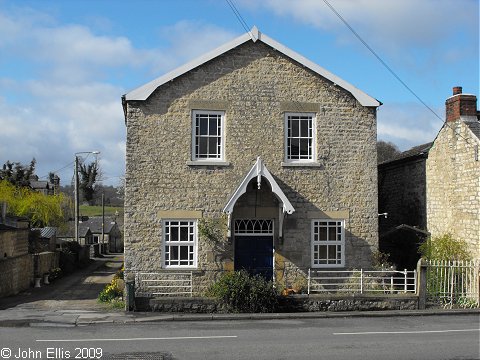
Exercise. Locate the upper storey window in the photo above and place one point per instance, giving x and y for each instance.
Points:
(208, 135)
(299, 137)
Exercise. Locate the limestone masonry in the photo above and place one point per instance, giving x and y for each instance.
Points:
(253, 85)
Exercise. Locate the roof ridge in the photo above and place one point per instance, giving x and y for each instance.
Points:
(142, 92)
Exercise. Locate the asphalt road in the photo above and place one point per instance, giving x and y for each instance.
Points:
(427, 337)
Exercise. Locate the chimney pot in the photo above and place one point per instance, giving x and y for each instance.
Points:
(457, 90)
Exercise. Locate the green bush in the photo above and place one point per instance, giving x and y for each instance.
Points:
(240, 292)
(444, 247)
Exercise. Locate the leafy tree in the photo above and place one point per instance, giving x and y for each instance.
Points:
(386, 150)
(40, 209)
(17, 173)
(88, 176)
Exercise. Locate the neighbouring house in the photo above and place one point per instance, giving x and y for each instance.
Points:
(249, 157)
(90, 234)
(402, 201)
(453, 173)
(112, 237)
(67, 233)
(45, 187)
(434, 189)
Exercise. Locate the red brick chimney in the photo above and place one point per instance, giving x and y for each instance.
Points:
(460, 105)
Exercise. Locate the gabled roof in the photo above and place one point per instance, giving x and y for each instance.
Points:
(95, 224)
(414, 152)
(474, 127)
(144, 91)
(68, 231)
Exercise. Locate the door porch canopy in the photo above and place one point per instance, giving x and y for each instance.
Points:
(258, 171)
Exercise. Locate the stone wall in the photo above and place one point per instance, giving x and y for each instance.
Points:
(254, 85)
(289, 304)
(47, 261)
(453, 186)
(16, 274)
(13, 242)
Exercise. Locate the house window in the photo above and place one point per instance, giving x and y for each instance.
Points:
(299, 137)
(180, 243)
(208, 139)
(328, 243)
(95, 239)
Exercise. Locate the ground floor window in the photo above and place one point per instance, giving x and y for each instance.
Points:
(180, 243)
(328, 243)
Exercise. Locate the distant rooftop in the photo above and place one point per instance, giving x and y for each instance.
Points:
(416, 151)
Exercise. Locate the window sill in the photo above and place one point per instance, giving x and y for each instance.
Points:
(329, 266)
(208, 163)
(302, 164)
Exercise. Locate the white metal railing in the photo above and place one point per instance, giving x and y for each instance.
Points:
(171, 283)
(454, 282)
(362, 281)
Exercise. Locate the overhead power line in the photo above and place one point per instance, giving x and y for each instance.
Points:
(239, 17)
(390, 69)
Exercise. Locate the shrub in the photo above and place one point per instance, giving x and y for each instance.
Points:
(444, 247)
(240, 292)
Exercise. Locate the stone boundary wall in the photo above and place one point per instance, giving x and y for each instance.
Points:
(300, 303)
(16, 274)
(47, 261)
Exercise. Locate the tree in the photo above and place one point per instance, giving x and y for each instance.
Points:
(88, 177)
(17, 173)
(41, 210)
(386, 150)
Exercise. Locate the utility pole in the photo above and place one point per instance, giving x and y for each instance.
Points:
(75, 174)
(103, 221)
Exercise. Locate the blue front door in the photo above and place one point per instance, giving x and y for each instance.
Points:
(255, 255)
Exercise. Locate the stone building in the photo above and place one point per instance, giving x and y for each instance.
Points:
(453, 173)
(249, 157)
(403, 205)
(434, 189)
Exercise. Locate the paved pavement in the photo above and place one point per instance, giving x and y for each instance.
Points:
(72, 301)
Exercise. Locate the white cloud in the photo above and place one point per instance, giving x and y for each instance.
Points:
(64, 101)
(388, 25)
(407, 124)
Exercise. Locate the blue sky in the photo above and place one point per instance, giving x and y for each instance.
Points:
(65, 64)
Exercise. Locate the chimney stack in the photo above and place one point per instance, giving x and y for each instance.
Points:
(459, 105)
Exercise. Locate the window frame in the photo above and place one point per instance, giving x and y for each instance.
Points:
(167, 223)
(194, 136)
(337, 242)
(313, 154)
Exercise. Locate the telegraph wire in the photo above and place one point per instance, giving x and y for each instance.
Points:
(390, 69)
(56, 171)
(239, 17)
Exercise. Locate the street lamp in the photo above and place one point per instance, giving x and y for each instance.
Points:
(76, 187)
